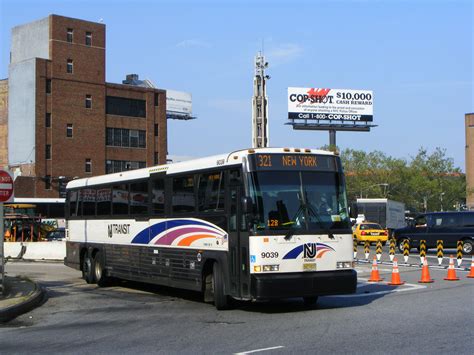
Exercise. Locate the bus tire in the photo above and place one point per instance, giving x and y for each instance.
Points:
(467, 246)
(310, 300)
(87, 266)
(99, 270)
(221, 300)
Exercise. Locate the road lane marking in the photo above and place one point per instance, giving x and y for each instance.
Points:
(259, 350)
(411, 287)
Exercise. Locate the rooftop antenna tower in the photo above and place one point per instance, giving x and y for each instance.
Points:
(260, 136)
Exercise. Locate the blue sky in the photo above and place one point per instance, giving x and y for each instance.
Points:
(416, 55)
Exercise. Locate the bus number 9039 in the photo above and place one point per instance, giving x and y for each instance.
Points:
(269, 255)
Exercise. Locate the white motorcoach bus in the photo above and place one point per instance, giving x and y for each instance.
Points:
(250, 225)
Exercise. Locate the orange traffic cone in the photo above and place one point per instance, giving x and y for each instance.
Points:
(471, 274)
(396, 275)
(451, 272)
(375, 276)
(425, 273)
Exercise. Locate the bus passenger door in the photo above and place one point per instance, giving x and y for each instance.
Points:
(238, 248)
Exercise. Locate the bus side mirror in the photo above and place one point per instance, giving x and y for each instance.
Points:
(247, 205)
(353, 210)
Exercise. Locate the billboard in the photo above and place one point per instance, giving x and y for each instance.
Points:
(178, 103)
(330, 104)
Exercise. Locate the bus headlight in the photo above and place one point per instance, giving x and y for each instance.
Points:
(344, 265)
(271, 267)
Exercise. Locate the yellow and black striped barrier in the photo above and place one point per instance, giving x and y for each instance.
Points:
(459, 252)
(367, 249)
(378, 249)
(392, 248)
(422, 251)
(439, 251)
(406, 250)
(355, 248)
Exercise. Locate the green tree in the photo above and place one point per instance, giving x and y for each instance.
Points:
(426, 181)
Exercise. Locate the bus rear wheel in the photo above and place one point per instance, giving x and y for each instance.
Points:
(99, 270)
(87, 272)
(221, 301)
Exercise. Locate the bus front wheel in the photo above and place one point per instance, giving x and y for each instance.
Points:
(221, 300)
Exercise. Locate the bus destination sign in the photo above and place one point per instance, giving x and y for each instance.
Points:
(292, 162)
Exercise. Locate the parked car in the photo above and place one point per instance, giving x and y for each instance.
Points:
(371, 232)
(450, 227)
(57, 234)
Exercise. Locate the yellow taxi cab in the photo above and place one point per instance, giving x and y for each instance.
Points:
(371, 232)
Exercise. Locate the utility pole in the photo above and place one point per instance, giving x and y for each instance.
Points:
(260, 136)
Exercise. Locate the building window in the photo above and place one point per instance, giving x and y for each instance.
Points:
(156, 129)
(88, 38)
(125, 107)
(69, 36)
(109, 137)
(48, 151)
(133, 138)
(156, 99)
(88, 166)
(123, 137)
(48, 86)
(88, 101)
(69, 130)
(116, 166)
(70, 66)
(141, 139)
(156, 158)
(48, 119)
(47, 182)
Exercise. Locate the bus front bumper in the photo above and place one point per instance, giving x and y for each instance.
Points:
(287, 285)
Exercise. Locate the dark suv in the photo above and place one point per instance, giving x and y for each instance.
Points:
(446, 226)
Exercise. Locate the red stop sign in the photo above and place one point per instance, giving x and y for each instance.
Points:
(6, 186)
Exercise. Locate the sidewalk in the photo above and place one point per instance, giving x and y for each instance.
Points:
(20, 296)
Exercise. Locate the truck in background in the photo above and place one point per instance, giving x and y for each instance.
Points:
(388, 213)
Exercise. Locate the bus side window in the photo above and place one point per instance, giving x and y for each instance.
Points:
(120, 198)
(72, 203)
(211, 192)
(88, 201)
(183, 194)
(158, 196)
(139, 198)
(79, 203)
(104, 198)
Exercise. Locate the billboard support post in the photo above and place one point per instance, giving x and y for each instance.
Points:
(332, 139)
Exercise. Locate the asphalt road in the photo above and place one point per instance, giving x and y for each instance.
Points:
(136, 318)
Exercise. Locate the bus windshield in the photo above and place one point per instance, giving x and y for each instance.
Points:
(299, 201)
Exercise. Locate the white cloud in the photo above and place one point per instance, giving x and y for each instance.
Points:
(193, 43)
(284, 53)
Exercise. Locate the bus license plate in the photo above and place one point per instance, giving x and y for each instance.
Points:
(309, 266)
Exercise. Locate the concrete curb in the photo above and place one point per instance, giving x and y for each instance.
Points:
(9, 313)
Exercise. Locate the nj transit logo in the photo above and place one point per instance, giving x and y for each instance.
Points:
(309, 251)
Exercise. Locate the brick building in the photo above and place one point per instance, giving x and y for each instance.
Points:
(64, 120)
(469, 119)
